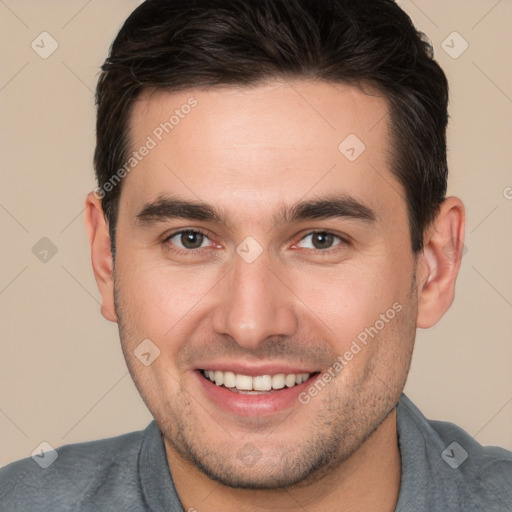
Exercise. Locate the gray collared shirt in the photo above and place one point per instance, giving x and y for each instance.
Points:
(443, 469)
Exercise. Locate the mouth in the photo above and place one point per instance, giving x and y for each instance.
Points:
(258, 384)
(245, 390)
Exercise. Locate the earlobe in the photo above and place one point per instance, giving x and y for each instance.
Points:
(439, 263)
(101, 254)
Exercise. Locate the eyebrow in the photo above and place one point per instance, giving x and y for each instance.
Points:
(329, 207)
(167, 208)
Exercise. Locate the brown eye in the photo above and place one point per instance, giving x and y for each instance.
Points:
(188, 239)
(191, 240)
(320, 240)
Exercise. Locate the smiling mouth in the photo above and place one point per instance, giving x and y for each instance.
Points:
(245, 384)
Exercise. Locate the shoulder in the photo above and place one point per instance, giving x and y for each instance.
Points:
(485, 470)
(459, 466)
(72, 474)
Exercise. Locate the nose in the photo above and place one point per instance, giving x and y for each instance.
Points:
(254, 304)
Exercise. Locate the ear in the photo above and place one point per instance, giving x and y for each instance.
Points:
(101, 254)
(439, 263)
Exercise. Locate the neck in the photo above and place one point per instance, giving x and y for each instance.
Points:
(368, 480)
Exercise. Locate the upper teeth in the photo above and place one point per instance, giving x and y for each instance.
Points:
(258, 383)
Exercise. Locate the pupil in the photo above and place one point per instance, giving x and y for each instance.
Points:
(322, 240)
(191, 240)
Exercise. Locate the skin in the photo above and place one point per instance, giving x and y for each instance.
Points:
(250, 152)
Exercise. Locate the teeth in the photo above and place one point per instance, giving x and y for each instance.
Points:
(229, 379)
(289, 380)
(218, 377)
(243, 382)
(301, 377)
(262, 383)
(258, 383)
(278, 381)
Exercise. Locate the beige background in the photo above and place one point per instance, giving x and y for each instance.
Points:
(62, 375)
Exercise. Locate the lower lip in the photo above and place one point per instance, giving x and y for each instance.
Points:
(264, 404)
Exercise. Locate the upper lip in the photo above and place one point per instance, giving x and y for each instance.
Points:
(253, 370)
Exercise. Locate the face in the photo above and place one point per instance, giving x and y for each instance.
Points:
(258, 246)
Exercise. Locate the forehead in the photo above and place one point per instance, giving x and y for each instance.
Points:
(261, 145)
(257, 114)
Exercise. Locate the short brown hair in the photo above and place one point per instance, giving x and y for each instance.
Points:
(174, 45)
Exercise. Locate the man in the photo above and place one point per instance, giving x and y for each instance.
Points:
(269, 229)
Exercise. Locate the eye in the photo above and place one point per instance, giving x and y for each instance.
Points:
(188, 239)
(320, 240)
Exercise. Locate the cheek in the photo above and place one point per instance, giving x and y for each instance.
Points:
(157, 300)
(334, 297)
(351, 298)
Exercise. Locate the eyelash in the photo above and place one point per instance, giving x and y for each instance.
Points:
(343, 241)
(178, 250)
